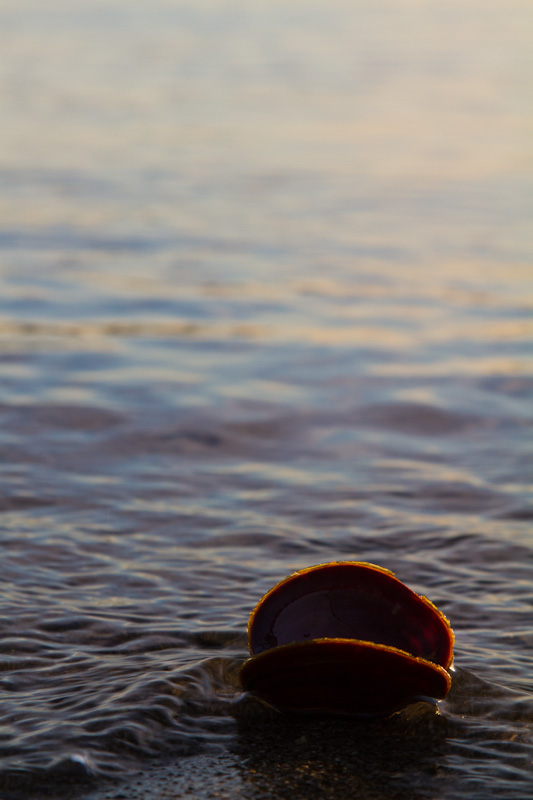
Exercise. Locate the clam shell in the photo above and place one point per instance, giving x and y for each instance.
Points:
(342, 676)
(346, 637)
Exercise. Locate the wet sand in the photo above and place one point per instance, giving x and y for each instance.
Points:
(298, 758)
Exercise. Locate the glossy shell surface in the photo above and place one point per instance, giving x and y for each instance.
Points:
(346, 637)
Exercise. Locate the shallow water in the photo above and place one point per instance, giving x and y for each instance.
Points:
(265, 302)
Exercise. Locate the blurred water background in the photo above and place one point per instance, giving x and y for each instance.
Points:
(265, 302)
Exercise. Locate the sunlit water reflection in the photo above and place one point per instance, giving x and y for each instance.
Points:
(265, 301)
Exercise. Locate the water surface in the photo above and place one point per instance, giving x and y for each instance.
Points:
(265, 302)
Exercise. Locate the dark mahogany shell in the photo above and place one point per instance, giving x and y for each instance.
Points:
(346, 637)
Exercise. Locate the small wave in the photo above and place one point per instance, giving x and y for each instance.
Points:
(99, 715)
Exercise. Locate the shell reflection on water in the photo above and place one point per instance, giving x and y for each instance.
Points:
(346, 637)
